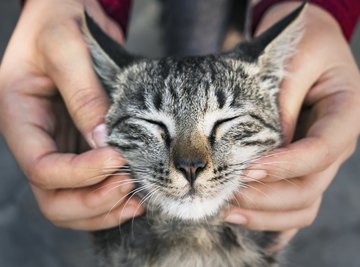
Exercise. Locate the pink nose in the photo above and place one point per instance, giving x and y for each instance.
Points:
(190, 169)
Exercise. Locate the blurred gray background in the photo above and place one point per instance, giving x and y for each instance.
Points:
(27, 239)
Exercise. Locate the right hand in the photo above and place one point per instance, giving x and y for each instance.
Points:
(47, 57)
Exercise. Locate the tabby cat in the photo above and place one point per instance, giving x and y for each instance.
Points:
(188, 128)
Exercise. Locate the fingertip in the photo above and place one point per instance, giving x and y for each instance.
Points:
(236, 218)
(99, 135)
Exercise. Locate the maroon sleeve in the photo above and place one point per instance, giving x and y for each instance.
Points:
(119, 10)
(346, 12)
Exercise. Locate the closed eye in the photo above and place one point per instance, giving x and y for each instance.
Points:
(165, 135)
(165, 132)
(216, 126)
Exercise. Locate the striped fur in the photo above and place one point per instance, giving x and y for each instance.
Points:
(219, 109)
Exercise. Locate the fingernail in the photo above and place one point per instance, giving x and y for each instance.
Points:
(99, 136)
(236, 218)
(255, 175)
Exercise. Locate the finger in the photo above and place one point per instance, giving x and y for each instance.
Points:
(107, 220)
(69, 65)
(37, 154)
(308, 155)
(57, 170)
(108, 25)
(274, 220)
(293, 92)
(337, 117)
(286, 195)
(299, 193)
(319, 149)
(84, 202)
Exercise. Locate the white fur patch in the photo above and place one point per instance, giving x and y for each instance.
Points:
(196, 208)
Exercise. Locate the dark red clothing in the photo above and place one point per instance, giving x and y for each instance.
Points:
(346, 12)
(119, 10)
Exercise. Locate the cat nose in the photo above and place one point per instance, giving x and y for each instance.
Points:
(190, 169)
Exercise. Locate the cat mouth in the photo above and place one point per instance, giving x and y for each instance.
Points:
(191, 193)
(191, 197)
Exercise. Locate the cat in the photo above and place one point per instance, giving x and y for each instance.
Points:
(188, 128)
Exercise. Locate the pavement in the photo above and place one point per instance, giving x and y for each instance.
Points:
(28, 240)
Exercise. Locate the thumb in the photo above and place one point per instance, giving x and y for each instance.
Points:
(69, 65)
(293, 90)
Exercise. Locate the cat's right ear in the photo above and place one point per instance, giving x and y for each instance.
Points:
(108, 56)
(273, 48)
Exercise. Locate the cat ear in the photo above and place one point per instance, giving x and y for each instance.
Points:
(108, 56)
(279, 43)
(275, 46)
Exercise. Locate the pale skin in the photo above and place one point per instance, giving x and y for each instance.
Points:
(47, 56)
(73, 190)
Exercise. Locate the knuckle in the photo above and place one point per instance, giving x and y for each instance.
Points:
(48, 210)
(311, 193)
(309, 218)
(58, 40)
(36, 177)
(38, 174)
(309, 202)
(97, 199)
(59, 224)
(306, 202)
(84, 100)
(326, 157)
(308, 221)
(352, 149)
(55, 33)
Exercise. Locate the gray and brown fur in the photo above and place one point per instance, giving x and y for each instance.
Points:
(188, 127)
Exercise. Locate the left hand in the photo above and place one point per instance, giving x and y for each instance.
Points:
(47, 87)
(324, 79)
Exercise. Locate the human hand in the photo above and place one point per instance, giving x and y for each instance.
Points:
(46, 58)
(324, 82)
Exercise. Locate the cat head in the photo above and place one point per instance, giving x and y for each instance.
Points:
(189, 127)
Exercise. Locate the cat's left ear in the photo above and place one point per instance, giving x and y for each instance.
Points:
(109, 57)
(274, 47)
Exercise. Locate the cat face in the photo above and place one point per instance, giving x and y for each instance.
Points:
(189, 127)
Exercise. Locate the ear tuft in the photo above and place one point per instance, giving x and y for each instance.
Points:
(280, 42)
(274, 47)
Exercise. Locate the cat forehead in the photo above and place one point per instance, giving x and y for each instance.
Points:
(188, 86)
(192, 71)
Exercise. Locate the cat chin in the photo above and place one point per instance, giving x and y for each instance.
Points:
(197, 208)
(192, 209)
